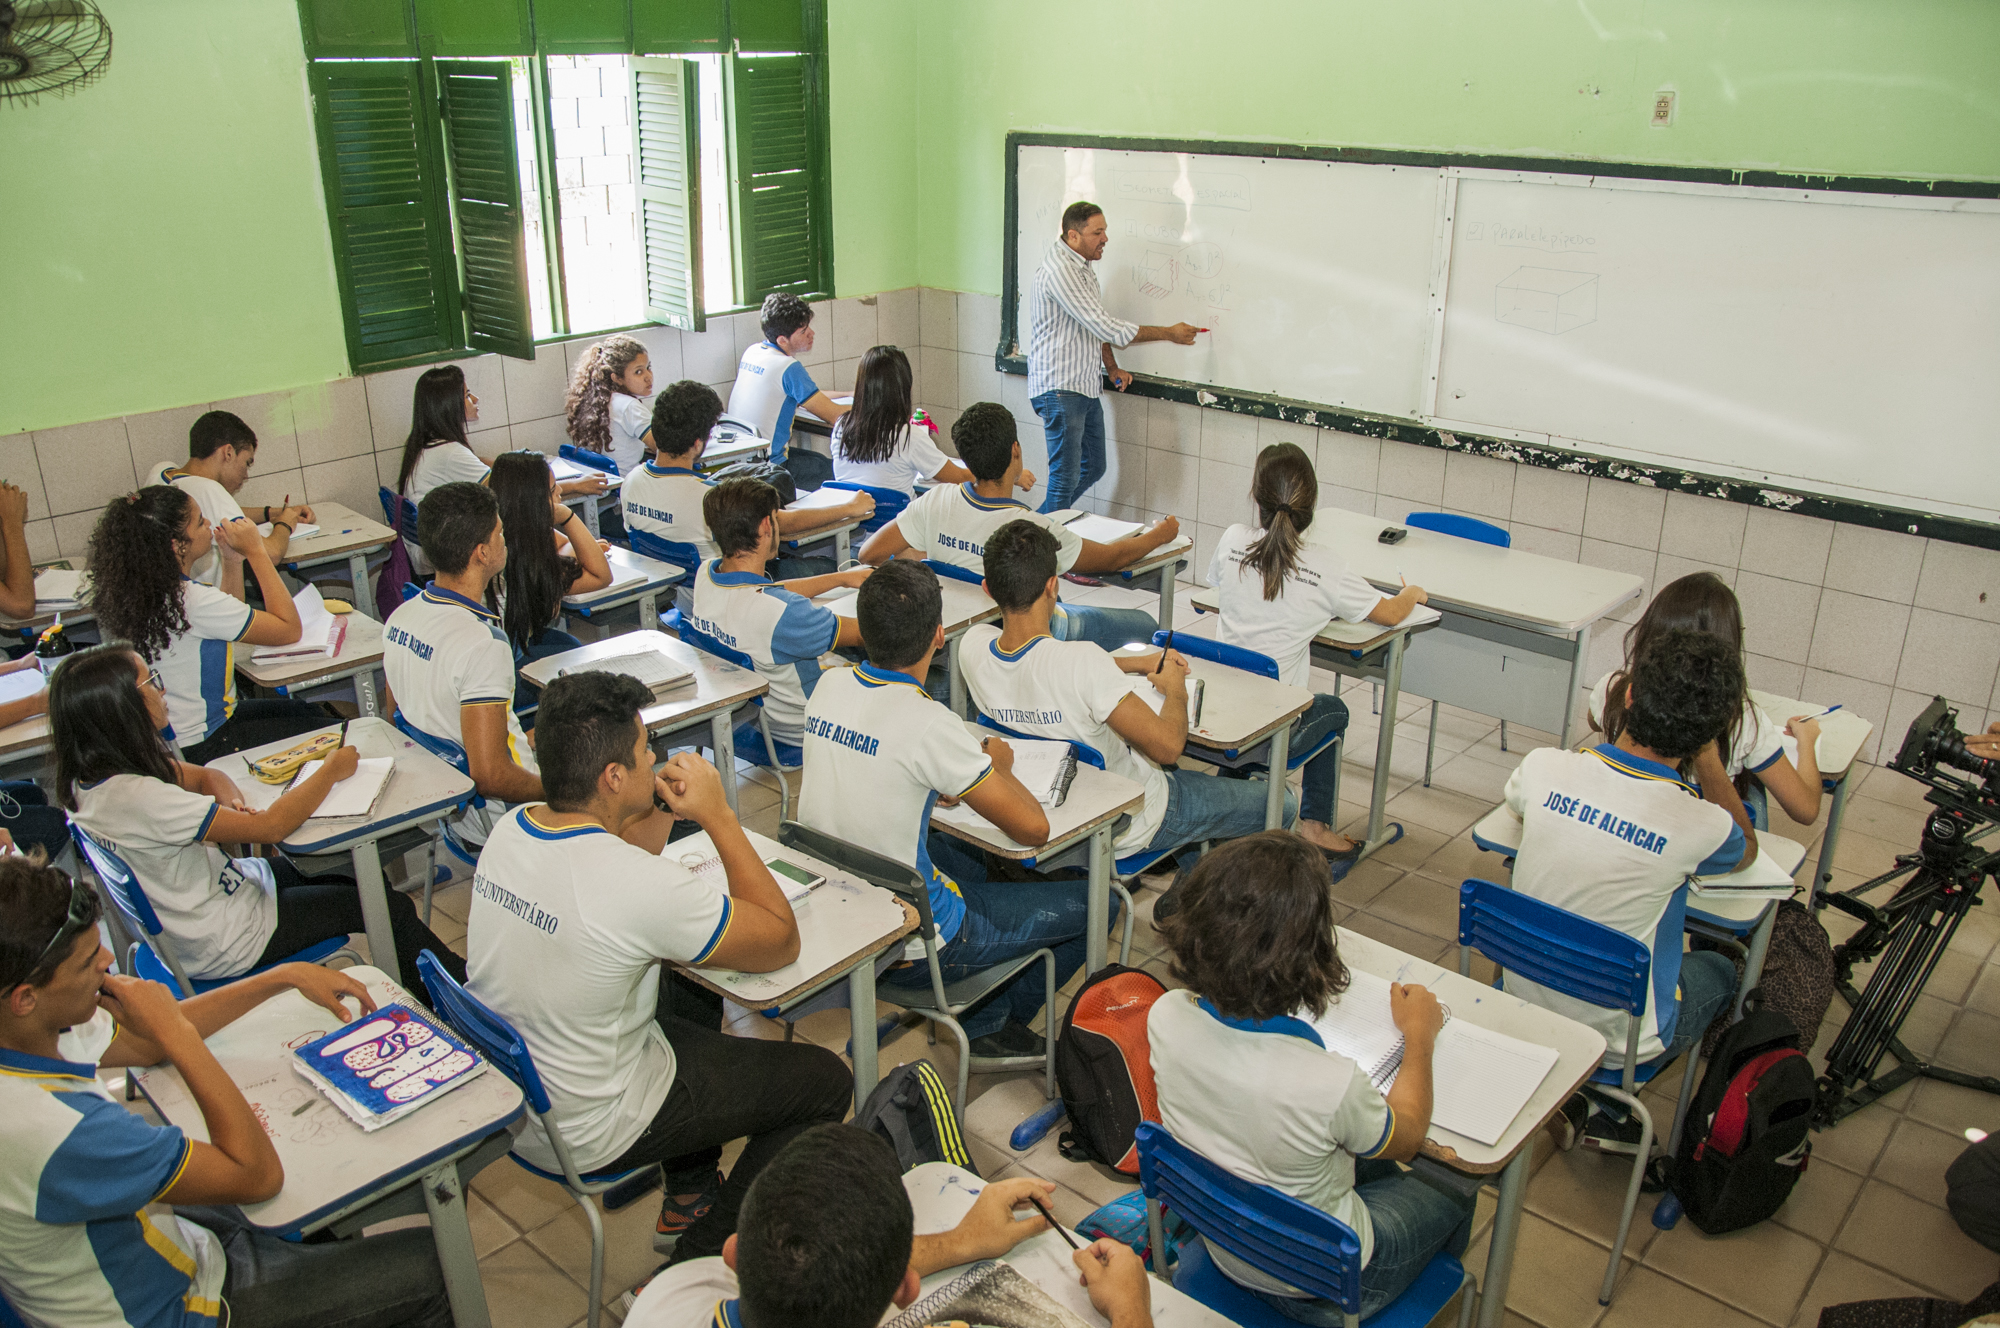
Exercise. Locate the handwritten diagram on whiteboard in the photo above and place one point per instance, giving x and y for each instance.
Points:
(1214, 241)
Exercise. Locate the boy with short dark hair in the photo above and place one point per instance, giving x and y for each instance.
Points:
(771, 385)
(879, 754)
(221, 450)
(1613, 833)
(951, 523)
(800, 1259)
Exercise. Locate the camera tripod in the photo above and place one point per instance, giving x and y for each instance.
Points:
(1910, 933)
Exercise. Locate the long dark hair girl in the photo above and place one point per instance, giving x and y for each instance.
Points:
(437, 415)
(98, 723)
(135, 567)
(1701, 601)
(536, 577)
(874, 426)
(1286, 493)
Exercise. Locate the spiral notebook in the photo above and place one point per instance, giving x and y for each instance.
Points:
(992, 1295)
(385, 1065)
(1480, 1079)
(1044, 768)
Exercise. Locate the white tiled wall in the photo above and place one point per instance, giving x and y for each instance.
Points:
(1874, 620)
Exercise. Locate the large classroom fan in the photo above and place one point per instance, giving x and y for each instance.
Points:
(51, 46)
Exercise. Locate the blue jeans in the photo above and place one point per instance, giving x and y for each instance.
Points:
(1110, 628)
(1708, 985)
(1202, 807)
(1412, 1222)
(1327, 716)
(1074, 425)
(1003, 919)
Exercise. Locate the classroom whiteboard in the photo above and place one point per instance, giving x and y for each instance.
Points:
(1313, 277)
(1844, 343)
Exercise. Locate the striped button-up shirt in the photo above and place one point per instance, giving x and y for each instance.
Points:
(1068, 326)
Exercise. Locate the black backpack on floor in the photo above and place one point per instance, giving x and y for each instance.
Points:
(1746, 1140)
(911, 1108)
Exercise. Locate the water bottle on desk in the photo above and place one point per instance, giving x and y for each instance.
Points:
(52, 646)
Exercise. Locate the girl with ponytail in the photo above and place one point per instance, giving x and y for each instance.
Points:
(606, 409)
(1277, 592)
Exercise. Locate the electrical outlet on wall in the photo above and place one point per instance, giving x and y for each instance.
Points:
(1663, 109)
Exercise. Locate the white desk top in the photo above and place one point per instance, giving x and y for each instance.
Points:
(1239, 709)
(342, 531)
(838, 923)
(1095, 796)
(26, 738)
(420, 786)
(1477, 578)
(1840, 733)
(942, 1194)
(741, 448)
(1579, 1047)
(330, 1162)
(1173, 551)
(362, 649)
(624, 563)
(718, 684)
(1360, 637)
(965, 604)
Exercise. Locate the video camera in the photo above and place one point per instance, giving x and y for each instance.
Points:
(1934, 753)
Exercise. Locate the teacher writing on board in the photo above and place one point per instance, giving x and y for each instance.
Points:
(1070, 338)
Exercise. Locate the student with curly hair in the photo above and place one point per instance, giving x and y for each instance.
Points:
(876, 443)
(606, 410)
(529, 591)
(141, 553)
(165, 818)
(1254, 942)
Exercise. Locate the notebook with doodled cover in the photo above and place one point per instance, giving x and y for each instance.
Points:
(385, 1065)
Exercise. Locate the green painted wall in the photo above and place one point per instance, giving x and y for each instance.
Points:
(1840, 86)
(166, 242)
(878, 71)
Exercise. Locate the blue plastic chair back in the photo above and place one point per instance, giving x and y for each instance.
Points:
(444, 749)
(1084, 752)
(583, 456)
(1554, 947)
(889, 503)
(399, 512)
(123, 883)
(411, 590)
(1273, 1232)
(955, 572)
(647, 544)
(493, 1036)
(1462, 527)
(1217, 652)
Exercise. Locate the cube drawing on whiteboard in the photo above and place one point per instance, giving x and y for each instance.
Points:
(1546, 299)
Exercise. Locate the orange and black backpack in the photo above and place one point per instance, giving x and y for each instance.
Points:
(1104, 1068)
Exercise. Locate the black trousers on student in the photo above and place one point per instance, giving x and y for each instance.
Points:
(386, 1281)
(726, 1088)
(256, 721)
(312, 909)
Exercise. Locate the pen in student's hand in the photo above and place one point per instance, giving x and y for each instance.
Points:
(1821, 715)
(1043, 1209)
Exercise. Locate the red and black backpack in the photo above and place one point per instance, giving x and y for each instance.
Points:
(1746, 1141)
(1104, 1067)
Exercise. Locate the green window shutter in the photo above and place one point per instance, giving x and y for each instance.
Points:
(777, 226)
(680, 27)
(583, 27)
(389, 243)
(665, 164)
(769, 25)
(356, 29)
(477, 101)
(475, 27)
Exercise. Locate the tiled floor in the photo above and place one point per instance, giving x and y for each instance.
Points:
(1866, 1220)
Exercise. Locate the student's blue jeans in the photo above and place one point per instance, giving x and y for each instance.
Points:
(1003, 919)
(1708, 984)
(1110, 628)
(1074, 426)
(1326, 717)
(1412, 1222)
(1204, 807)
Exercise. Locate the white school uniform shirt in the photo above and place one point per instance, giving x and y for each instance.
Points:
(444, 463)
(219, 913)
(914, 457)
(1614, 838)
(878, 752)
(631, 419)
(83, 1238)
(663, 515)
(1314, 1111)
(1065, 690)
(1320, 588)
(783, 635)
(564, 940)
(441, 651)
(198, 666)
(1068, 326)
(1759, 738)
(770, 387)
(216, 503)
(951, 523)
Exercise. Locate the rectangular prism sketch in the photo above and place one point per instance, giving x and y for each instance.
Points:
(1546, 299)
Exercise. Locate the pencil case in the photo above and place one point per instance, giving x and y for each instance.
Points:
(279, 767)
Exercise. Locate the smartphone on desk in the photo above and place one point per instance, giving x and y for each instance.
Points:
(800, 878)
(1392, 535)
